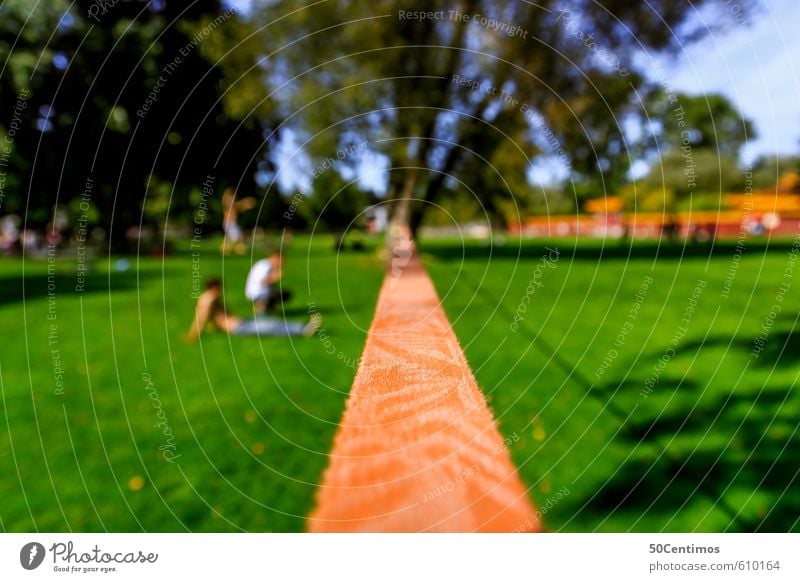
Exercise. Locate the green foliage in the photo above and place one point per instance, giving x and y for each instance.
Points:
(453, 96)
(457, 208)
(335, 203)
(648, 197)
(710, 121)
(768, 170)
(696, 179)
(24, 29)
(700, 138)
(137, 104)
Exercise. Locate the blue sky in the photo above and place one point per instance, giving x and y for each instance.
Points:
(757, 66)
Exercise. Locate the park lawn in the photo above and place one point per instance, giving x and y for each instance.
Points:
(712, 446)
(253, 419)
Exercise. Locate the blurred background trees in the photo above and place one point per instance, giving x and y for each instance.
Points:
(494, 110)
(469, 97)
(696, 146)
(127, 102)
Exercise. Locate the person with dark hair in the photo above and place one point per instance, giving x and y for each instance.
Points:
(211, 312)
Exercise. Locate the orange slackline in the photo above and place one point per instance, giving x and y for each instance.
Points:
(417, 448)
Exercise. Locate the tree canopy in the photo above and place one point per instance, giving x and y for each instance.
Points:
(122, 111)
(455, 104)
(466, 95)
(696, 143)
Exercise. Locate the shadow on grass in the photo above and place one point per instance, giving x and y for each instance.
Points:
(723, 449)
(19, 288)
(588, 250)
(740, 451)
(778, 349)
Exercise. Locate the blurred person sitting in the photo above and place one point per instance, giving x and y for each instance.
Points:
(210, 312)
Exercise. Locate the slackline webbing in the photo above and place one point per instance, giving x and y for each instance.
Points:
(417, 448)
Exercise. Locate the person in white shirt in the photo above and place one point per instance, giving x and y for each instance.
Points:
(261, 286)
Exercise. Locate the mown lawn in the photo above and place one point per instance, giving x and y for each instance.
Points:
(609, 439)
(150, 433)
(673, 410)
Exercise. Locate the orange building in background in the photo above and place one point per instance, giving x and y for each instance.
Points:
(774, 212)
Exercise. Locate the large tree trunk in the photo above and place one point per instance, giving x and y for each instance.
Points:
(398, 237)
(417, 214)
(401, 209)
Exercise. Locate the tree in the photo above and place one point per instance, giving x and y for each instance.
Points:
(709, 121)
(699, 138)
(768, 170)
(473, 91)
(122, 106)
(335, 203)
(679, 182)
(23, 54)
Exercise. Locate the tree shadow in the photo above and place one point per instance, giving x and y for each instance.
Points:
(620, 397)
(735, 442)
(739, 451)
(778, 347)
(19, 288)
(595, 250)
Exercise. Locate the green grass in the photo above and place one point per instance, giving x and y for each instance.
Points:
(714, 446)
(253, 420)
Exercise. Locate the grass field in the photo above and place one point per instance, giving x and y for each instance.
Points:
(252, 419)
(607, 437)
(638, 408)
